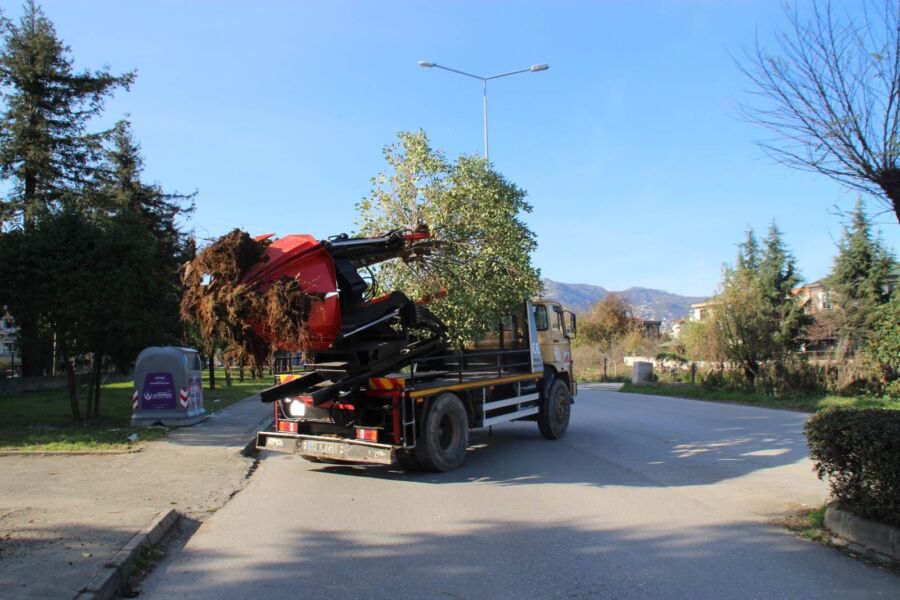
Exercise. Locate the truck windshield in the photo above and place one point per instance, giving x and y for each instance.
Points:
(540, 317)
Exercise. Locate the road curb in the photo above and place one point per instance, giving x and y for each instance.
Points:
(603, 386)
(69, 452)
(263, 425)
(112, 577)
(881, 538)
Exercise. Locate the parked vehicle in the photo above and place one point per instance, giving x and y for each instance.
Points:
(386, 385)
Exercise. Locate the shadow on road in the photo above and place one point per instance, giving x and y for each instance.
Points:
(513, 560)
(612, 455)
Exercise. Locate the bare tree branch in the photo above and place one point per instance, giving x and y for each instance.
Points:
(829, 93)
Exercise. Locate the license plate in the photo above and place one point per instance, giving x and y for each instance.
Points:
(319, 447)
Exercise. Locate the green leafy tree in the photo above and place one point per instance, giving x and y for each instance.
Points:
(743, 323)
(858, 282)
(701, 342)
(481, 269)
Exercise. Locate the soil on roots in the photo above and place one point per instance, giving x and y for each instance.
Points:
(244, 315)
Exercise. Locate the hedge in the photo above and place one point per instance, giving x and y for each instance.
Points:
(858, 451)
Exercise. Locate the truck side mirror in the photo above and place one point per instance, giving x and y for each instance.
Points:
(571, 328)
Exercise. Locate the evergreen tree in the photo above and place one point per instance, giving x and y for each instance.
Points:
(778, 276)
(858, 281)
(757, 320)
(122, 191)
(45, 148)
(748, 253)
(47, 155)
(883, 350)
(139, 250)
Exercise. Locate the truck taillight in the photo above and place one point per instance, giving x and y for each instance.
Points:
(369, 434)
(289, 426)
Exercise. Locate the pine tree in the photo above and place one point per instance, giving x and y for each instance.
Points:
(757, 320)
(778, 276)
(46, 149)
(141, 238)
(858, 281)
(748, 253)
(47, 155)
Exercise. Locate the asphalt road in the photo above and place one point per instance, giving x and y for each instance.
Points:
(645, 497)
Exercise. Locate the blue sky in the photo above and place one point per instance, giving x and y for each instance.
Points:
(638, 167)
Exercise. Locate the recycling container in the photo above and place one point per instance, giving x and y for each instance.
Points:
(168, 387)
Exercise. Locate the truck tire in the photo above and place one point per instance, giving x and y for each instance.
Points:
(445, 435)
(553, 418)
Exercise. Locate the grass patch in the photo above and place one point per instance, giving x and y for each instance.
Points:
(42, 421)
(808, 523)
(803, 403)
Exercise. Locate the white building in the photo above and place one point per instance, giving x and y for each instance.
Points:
(9, 354)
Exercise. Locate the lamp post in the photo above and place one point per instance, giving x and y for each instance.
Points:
(484, 80)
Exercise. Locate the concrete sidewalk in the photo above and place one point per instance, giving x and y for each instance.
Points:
(63, 517)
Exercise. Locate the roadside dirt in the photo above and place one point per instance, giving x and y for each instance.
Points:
(63, 517)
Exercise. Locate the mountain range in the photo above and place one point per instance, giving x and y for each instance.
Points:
(645, 302)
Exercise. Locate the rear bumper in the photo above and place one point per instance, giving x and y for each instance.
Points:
(327, 448)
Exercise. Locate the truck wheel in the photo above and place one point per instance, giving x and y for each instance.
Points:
(553, 418)
(445, 435)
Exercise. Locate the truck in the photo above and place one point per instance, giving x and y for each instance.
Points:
(385, 385)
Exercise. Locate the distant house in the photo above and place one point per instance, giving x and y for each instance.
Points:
(651, 328)
(702, 310)
(813, 297)
(820, 336)
(676, 327)
(9, 331)
(893, 279)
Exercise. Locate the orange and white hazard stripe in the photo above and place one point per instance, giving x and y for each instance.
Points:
(386, 383)
(135, 400)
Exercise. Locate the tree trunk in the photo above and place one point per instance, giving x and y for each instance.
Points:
(241, 373)
(889, 182)
(212, 369)
(29, 216)
(71, 381)
(96, 383)
(227, 375)
(750, 375)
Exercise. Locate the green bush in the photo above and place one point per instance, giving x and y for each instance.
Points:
(858, 451)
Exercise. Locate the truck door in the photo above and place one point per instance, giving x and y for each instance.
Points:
(555, 346)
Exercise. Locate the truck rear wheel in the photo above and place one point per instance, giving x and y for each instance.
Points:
(553, 418)
(445, 434)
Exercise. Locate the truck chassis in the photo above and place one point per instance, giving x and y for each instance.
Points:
(393, 420)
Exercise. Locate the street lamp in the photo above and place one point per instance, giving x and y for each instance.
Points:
(532, 69)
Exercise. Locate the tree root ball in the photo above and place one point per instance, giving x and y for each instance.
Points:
(251, 318)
